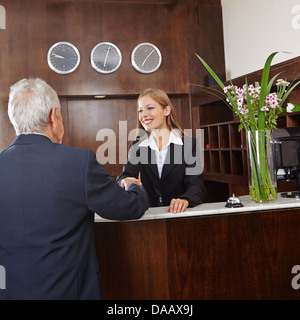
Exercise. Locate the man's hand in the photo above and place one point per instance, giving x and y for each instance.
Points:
(125, 183)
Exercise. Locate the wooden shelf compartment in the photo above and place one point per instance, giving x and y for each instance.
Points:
(235, 137)
(216, 112)
(225, 162)
(245, 162)
(214, 161)
(281, 122)
(207, 161)
(213, 137)
(237, 162)
(206, 139)
(224, 136)
(293, 119)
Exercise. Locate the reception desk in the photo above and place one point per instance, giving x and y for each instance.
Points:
(207, 252)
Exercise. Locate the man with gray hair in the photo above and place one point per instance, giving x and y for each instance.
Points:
(49, 193)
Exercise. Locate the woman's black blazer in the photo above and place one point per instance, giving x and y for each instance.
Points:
(181, 177)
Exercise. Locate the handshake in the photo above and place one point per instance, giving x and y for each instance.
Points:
(125, 183)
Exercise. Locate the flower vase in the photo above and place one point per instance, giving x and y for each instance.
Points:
(261, 166)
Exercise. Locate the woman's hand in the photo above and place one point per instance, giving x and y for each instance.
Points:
(178, 205)
(125, 183)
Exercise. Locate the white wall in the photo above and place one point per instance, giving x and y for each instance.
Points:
(253, 29)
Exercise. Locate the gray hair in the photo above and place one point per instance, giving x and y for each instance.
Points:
(29, 105)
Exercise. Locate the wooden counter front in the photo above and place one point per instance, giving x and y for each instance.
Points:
(234, 255)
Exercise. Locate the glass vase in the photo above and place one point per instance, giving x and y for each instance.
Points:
(261, 166)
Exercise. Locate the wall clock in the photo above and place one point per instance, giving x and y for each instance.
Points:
(106, 57)
(63, 57)
(146, 58)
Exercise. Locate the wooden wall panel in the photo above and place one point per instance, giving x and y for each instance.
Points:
(87, 117)
(34, 25)
(6, 129)
(207, 41)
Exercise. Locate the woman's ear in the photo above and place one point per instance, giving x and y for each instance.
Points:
(167, 110)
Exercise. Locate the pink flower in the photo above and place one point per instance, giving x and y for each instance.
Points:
(272, 100)
(240, 101)
(244, 111)
(265, 108)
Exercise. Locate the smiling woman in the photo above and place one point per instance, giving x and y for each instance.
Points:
(163, 156)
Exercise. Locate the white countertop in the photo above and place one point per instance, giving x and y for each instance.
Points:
(156, 213)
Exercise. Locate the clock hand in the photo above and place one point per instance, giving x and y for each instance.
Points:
(147, 57)
(57, 56)
(106, 56)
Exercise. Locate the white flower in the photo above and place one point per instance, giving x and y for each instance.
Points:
(281, 82)
(289, 107)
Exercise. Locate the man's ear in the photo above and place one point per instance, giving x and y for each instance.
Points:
(52, 116)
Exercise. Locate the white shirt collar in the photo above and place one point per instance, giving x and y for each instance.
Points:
(150, 141)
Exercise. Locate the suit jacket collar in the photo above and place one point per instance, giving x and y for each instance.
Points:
(31, 138)
(174, 156)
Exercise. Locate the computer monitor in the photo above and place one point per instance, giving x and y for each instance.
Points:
(287, 157)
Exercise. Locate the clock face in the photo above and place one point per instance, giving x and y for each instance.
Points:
(63, 57)
(106, 57)
(146, 58)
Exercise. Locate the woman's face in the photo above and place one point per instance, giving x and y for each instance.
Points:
(151, 114)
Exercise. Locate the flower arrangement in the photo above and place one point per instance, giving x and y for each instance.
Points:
(255, 105)
(247, 99)
(257, 109)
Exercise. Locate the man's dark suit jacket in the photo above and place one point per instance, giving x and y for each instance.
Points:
(48, 196)
(176, 180)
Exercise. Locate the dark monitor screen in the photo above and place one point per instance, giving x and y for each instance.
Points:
(287, 147)
(287, 157)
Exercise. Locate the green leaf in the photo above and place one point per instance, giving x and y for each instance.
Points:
(270, 84)
(264, 91)
(210, 70)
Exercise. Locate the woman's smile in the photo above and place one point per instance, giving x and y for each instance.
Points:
(147, 121)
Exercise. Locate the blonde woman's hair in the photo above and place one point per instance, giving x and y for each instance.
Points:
(162, 99)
